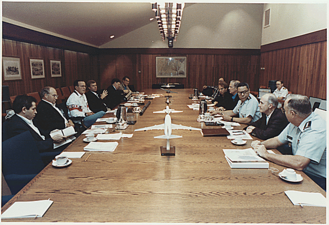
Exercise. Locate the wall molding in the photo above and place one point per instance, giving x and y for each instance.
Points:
(314, 37)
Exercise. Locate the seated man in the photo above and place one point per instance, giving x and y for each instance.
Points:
(77, 105)
(124, 86)
(306, 133)
(247, 107)
(223, 99)
(25, 108)
(212, 91)
(273, 121)
(95, 101)
(49, 117)
(280, 92)
(233, 90)
(115, 96)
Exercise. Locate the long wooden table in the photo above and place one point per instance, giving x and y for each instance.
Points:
(136, 184)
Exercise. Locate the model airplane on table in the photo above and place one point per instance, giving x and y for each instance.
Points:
(167, 127)
(168, 110)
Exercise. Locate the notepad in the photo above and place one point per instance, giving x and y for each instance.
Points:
(67, 132)
(30, 209)
(101, 146)
(72, 154)
(306, 198)
(105, 137)
(244, 159)
(66, 141)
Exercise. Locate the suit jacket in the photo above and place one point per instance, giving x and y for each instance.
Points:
(114, 97)
(15, 125)
(48, 118)
(225, 101)
(234, 102)
(95, 103)
(275, 125)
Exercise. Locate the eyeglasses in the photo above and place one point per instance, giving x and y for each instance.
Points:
(243, 92)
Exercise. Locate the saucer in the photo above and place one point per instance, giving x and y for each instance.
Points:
(111, 120)
(243, 142)
(86, 140)
(68, 162)
(298, 179)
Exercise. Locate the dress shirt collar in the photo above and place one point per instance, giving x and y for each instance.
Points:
(268, 117)
(95, 93)
(303, 125)
(48, 102)
(77, 93)
(29, 122)
(114, 87)
(234, 96)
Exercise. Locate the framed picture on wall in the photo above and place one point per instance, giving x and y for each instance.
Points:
(171, 67)
(55, 68)
(11, 68)
(37, 68)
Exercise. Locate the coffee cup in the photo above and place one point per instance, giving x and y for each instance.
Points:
(238, 140)
(290, 174)
(135, 104)
(61, 160)
(90, 137)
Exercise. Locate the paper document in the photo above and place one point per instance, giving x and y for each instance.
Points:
(72, 155)
(101, 146)
(29, 209)
(67, 140)
(127, 135)
(116, 136)
(242, 155)
(306, 198)
(242, 134)
(67, 132)
(104, 126)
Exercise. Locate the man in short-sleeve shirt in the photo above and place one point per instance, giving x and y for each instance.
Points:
(247, 107)
(306, 134)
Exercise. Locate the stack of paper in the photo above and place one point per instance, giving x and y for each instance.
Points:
(244, 158)
(103, 126)
(241, 134)
(101, 146)
(306, 198)
(106, 137)
(31, 209)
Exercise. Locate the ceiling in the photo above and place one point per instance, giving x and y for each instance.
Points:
(90, 23)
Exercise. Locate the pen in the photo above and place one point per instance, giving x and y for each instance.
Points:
(87, 157)
(301, 205)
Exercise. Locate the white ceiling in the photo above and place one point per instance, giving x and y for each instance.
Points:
(90, 23)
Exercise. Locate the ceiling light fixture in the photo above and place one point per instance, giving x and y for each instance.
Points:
(169, 17)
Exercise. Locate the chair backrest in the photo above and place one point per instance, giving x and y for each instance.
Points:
(60, 96)
(322, 113)
(313, 100)
(36, 95)
(71, 88)
(12, 98)
(20, 155)
(66, 92)
(323, 104)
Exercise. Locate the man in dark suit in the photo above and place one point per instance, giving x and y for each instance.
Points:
(272, 122)
(49, 117)
(95, 101)
(223, 99)
(25, 109)
(115, 96)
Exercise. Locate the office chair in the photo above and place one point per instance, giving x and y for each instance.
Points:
(21, 161)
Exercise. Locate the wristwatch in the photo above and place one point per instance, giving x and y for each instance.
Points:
(231, 119)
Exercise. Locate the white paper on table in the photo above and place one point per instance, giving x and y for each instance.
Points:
(242, 155)
(239, 134)
(101, 120)
(72, 155)
(67, 132)
(67, 140)
(306, 198)
(116, 136)
(233, 124)
(127, 135)
(103, 126)
(28, 209)
(101, 146)
(95, 131)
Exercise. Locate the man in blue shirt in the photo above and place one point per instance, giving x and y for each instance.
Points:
(306, 133)
(247, 107)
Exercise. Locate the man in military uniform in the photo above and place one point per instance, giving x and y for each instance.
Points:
(280, 92)
(306, 133)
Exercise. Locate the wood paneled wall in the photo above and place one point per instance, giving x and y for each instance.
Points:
(303, 67)
(203, 68)
(74, 65)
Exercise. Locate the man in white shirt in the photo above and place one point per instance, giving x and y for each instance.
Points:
(77, 105)
(49, 117)
(280, 92)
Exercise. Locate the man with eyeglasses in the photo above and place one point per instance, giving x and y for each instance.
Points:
(77, 105)
(49, 116)
(306, 134)
(247, 107)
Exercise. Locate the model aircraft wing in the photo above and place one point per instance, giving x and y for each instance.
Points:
(175, 111)
(181, 127)
(166, 111)
(162, 111)
(168, 137)
(155, 127)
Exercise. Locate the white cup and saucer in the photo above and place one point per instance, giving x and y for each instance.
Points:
(61, 161)
(290, 175)
(90, 138)
(111, 120)
(238, 141)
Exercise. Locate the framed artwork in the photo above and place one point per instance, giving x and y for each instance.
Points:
(171, 67)
(55, 68)
(37, 68)
(11, 68)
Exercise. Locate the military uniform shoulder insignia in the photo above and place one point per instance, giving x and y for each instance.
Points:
(307, 125)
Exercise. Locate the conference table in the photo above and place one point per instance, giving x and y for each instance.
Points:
(136, 184)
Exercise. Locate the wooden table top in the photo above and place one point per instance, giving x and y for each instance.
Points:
(136, 184)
